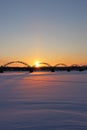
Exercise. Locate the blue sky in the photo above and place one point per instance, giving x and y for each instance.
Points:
(47, 30)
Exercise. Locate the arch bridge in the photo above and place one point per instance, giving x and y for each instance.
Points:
(5, 67)
(75, 65)
(44, 63)
(50, 68)
(12, 62)
(45, 66)
(60, 65)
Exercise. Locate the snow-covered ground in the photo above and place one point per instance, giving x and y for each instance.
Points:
(43, 101)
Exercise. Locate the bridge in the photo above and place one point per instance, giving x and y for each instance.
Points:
(75, 65)
(6, 67)
(43, 63)
(43, 67)
(60, 65)
(12, 62)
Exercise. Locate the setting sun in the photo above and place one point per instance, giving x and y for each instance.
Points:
(37, 64)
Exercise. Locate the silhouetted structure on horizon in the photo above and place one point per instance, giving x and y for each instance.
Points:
(45, 67)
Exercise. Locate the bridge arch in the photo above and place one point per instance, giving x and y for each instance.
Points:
(60, 64)
(75, 65)
(44, 63)
(12, 62)
(50, 68)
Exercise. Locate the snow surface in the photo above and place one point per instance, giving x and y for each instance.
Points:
(43, 101)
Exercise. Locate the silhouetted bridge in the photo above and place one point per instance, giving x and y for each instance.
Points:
(43, 67)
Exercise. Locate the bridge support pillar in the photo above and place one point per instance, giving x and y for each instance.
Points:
(31, 70)
(1, 69)
(52, 69)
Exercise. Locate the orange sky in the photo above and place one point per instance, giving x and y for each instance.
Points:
(54, 32)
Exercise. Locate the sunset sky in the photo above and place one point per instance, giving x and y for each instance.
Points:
(52, 31)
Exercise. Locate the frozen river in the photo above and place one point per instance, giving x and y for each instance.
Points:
(43, 101)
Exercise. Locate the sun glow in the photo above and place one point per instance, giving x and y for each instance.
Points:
(37, 64)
